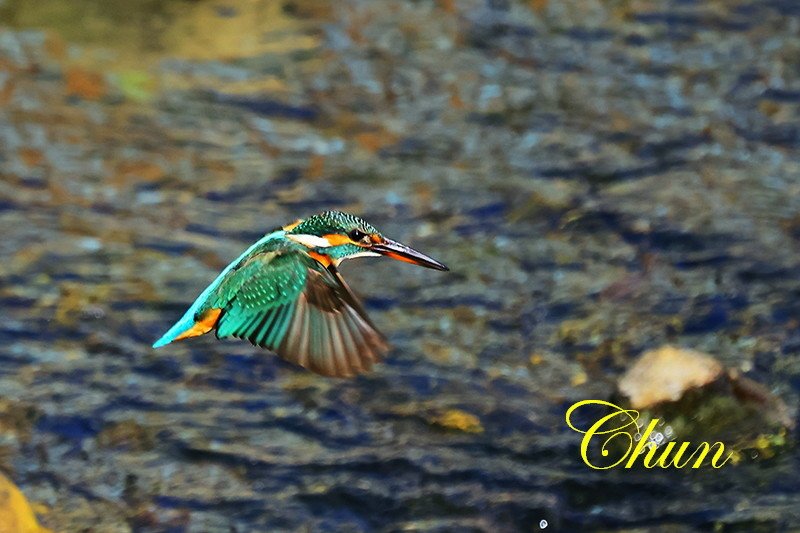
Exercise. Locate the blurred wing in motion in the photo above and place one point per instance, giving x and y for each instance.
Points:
(288, 302)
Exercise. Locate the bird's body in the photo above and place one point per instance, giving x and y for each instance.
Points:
(285, 293)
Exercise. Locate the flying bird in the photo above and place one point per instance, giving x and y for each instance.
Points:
(285, 293)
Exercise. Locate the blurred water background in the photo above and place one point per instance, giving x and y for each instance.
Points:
(602, 177)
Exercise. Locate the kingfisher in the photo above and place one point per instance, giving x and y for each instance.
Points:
(285, 293)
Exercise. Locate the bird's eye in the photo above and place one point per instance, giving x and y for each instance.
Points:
(357, 235)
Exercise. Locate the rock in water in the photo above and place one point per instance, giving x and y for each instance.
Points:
(665, 374)
(697, 399)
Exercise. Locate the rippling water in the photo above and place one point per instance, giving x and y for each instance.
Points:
(601, 177)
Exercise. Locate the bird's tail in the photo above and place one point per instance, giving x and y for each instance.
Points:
(190, 326)
(194, 323)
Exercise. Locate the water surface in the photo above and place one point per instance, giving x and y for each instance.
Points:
(601, 177)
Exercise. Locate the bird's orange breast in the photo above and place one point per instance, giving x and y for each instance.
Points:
(324, 260)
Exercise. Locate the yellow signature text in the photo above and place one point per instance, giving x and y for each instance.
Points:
(622, 442)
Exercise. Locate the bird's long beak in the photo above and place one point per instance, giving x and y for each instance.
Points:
(401, 252)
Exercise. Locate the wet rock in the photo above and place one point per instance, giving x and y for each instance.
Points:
(84, 84)
(458, 420)
(127, 434)
(697, 400)
(665, 374)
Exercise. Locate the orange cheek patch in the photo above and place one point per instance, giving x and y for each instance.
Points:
(207, 321)
(375, 238)
(336, 239)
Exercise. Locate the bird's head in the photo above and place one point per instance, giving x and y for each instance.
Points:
(341, 236)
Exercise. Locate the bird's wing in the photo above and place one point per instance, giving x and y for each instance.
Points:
(288, 302)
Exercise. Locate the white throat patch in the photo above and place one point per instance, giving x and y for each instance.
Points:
(309, 241)
(365, 253)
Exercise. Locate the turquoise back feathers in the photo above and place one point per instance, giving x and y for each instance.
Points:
(188, 318)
